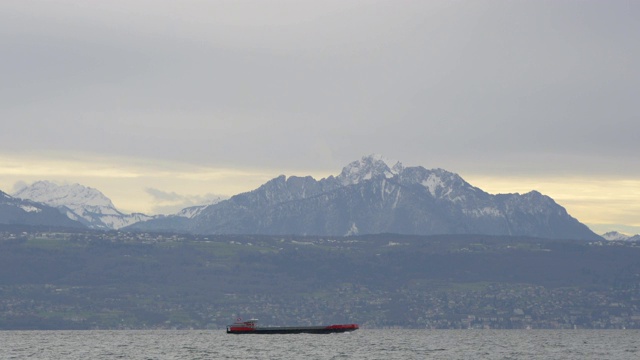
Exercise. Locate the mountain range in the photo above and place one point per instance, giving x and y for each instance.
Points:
(373, 195)
(370, 196)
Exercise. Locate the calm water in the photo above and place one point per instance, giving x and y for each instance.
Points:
(362, 344)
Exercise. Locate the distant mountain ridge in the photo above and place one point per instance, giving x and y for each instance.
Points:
(374, 195)
(80, 203)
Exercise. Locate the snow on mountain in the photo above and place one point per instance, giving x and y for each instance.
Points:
(191, 211)
(367, 168)
(438, 182)
(29, 208)
(116, 222)
(84, 204)
(26, 212)
(616, 236)
(75, 197)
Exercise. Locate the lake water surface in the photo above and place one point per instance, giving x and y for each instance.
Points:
(361, 344)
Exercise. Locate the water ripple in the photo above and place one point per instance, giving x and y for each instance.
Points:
(362, 344)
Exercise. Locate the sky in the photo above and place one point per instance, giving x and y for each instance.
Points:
(164, 104)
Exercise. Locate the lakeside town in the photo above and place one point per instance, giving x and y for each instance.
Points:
(114, 280)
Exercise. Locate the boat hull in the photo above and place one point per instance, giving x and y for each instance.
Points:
(293, 330)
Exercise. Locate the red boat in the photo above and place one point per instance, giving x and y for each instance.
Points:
(250, 327)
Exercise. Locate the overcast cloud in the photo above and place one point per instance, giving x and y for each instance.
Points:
(171, 202)
(475, 87)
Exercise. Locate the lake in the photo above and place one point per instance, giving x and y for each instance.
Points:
(361, 344)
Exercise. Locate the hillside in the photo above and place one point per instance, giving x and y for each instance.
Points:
(125, 280)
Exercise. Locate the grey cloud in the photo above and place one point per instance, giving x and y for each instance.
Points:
(159, 195)
(522, 86)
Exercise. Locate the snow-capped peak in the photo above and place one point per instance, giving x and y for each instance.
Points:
(615, 236)
(81, 203)
(74, 197)
(367, 168)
